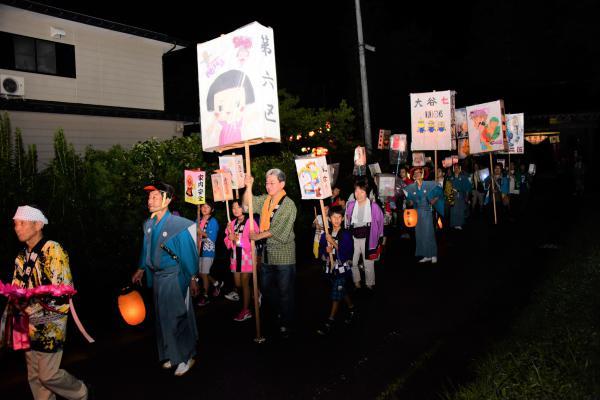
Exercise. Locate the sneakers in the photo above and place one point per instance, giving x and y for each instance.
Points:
(325, 329)
(232, 296)
(203, 301)
(284, 332)
(433, 260)
(167, 365)
(242, 316)
(217, 288)
(458, 228)
(426, 259)
(184, 367)
(350, 317)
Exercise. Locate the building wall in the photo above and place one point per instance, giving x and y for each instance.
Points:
(113, 68)
(81, 130)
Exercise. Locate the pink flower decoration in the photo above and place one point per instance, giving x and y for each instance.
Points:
(242, 41)
(10, 290)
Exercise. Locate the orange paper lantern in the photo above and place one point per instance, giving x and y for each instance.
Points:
(410, 217)
(132, 308)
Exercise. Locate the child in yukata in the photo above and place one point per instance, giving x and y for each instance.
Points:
(228, 98)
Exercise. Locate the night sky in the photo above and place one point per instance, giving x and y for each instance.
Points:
(540, 57)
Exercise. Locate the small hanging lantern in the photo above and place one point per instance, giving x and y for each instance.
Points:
(439, 223)
(131, 306)
(410, 217)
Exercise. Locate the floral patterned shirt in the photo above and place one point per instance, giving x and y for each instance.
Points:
(46, 264)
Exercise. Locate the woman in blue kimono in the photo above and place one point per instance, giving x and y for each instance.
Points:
(424, 196)
(461, 187)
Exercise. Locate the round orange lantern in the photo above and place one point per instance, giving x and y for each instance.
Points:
(131, 306)
(410, 217)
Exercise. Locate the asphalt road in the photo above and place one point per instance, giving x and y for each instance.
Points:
(417, 331)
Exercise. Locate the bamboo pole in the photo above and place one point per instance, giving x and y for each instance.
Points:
(435, 167)
(198, 230)
(493, 185)
(259, 338)
(326, 227)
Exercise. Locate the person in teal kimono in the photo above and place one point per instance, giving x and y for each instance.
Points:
(461, 186)
(169, 260)
(498, 191)
(425, 196)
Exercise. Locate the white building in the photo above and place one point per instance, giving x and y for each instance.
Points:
(102, 82)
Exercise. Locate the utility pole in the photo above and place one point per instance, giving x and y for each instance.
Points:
(363, 78)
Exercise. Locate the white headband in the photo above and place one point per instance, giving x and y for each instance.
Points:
(27, 213)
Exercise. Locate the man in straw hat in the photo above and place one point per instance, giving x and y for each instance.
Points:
(44, 262)
(170, 261)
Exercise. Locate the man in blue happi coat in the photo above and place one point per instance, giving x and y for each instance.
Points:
(169, 259)
(461, 187)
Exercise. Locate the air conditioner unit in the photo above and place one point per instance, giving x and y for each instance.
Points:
(11, 85)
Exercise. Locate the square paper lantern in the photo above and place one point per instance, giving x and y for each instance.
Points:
(515, 133)
(398, 142)
(484, 174)
(360, 161)
(383, 141)
(334, 171)
(313, 176)
(221, 186)
(462, 132)
(432, 117)
(233, 164)
(195, 185)
(374, 169)
(386, 185)
(486, 124)
(238, 89)
(418, 159)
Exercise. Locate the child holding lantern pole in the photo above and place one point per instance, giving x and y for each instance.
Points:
(209, 228)
(237, 239)
(339, 244)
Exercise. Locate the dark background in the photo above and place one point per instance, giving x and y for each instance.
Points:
(540, 57)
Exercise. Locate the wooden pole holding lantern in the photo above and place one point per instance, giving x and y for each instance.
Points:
(259, 338)
(326, 227)
(225, 196)
(435, 167)
(493, 187)
(198, 230)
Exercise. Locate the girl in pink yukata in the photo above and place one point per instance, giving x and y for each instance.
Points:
(228, 98)
(237, 240)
